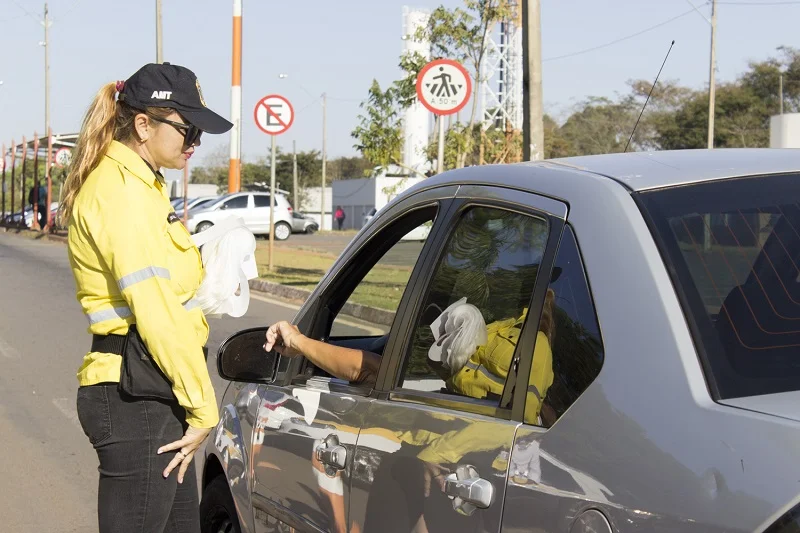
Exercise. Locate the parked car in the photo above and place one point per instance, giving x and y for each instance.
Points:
(368, 216)
(253, 207)
(27, 214)
(420, 233)
(194, 203)
(303, 224)
(654, 299)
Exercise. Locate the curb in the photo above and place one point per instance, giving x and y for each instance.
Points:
(363, 312)
(36, 235)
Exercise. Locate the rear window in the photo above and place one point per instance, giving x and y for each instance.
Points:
(733, 250)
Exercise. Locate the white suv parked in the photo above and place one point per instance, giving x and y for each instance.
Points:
(253, 207)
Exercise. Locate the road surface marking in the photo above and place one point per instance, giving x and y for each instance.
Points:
(67, 408)
(8, 351)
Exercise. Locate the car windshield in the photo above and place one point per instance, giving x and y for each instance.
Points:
(733, 248)
(204, 203)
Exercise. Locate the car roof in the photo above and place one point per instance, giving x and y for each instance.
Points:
(640, 171)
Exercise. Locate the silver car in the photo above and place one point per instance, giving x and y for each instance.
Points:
(252, 207)
(643, 361)
(303, 224)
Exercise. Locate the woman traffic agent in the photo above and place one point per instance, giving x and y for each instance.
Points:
(135, 264)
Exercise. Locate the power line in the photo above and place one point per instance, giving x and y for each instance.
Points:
(779, 3)
(31, 15)
(70, 10)
(631, 36)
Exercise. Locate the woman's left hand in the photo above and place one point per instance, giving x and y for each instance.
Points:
(186, 447)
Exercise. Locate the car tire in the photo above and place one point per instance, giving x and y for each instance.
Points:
(311, 230)
(282, 231)
(203, 226)
(217, 510)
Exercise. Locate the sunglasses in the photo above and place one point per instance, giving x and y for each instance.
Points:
(191, 134)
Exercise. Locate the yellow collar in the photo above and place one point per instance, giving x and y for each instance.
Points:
(133, 162)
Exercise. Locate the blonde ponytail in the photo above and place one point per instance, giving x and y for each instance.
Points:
(97, 132)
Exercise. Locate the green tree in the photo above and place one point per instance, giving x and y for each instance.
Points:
(461, 34)
(378, 134)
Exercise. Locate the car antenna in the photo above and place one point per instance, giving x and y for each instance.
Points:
(648, 96)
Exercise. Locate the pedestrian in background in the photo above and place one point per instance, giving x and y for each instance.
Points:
(37, 198)
(136, 270)
(339, 216)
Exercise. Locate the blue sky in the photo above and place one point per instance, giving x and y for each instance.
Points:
(339, 47)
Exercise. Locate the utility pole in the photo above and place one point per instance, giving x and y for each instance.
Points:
(780, 92)
(294, 175)
(712, 75)
(46, 70)
(532, 105)
(324, 160)
(3, 187)
(235, 168)
(159, 41)
(47, 128)
(13, 169)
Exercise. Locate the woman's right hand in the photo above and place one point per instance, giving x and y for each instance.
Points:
(283, 337)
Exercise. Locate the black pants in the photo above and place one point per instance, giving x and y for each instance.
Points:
(133, 495)
(340, 222)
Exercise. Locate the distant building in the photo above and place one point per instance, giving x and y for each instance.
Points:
(359, 196)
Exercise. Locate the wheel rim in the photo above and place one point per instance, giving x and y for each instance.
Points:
(281, 232)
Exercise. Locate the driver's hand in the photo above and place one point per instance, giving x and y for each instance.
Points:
(283, 338)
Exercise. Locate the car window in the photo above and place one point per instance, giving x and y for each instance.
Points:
(262, 200)
(476, 305)
(569, 352)
(378, 295)
(734, 251)
(204, 203)
(239, 202)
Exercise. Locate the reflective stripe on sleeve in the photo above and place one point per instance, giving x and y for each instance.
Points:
(483, 370)
(108, 314)
(142, 275)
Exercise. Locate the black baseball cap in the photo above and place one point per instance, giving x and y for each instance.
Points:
(176, 87)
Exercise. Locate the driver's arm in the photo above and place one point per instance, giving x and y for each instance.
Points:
(358, 366)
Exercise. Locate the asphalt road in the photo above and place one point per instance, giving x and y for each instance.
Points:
(49, 470)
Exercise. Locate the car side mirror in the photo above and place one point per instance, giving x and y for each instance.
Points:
(223, 207)
(242, 358)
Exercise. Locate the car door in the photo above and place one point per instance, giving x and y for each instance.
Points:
(433, 451)
(308, 421)
(258, 217)
(541, 476)
(238, 206)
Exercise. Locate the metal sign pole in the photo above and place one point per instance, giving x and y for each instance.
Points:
(35, 220)
(440, 157)
(272, 203)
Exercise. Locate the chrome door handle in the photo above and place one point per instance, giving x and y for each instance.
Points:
(332, 454)
(468, 490)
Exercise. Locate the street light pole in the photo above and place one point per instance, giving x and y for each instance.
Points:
(46, 70)
(324, 160)
(294, 175)
(712, 75)
(159, 41)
